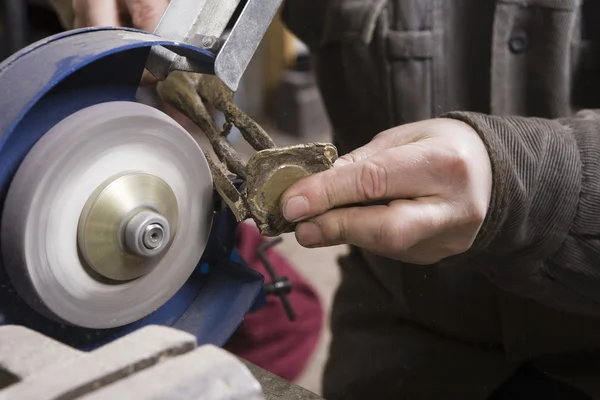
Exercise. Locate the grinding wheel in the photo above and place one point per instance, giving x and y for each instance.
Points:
(107, 216)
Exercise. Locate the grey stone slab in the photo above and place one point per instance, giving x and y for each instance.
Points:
(123, 357)
(151, 363)
(24, 352)
(277, 388)
(208, 373)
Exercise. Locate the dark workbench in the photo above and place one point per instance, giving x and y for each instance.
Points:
(276, 388)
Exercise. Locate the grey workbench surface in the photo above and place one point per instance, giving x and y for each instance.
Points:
(276, 388)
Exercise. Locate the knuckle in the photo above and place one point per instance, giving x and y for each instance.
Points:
(457, 165)
(478, 214)
(474, 213)
(373, 181)
(330, 192)
(339, 231)
(460, 236)
(391, 236)
(332, 229)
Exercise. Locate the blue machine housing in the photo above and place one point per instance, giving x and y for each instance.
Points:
(62, 74)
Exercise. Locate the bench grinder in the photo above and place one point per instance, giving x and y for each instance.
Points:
(113, 217)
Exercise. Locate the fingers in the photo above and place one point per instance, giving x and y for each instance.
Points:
(395, 137)
(386, 230)
(399, 173)
(146, 14)
(434, 175)
(360, 154)
(96, 13)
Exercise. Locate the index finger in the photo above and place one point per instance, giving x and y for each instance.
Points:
(403, 172)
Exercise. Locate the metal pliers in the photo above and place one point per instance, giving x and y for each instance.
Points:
(190, 80)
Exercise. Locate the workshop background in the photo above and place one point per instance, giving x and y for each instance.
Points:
(278, 91)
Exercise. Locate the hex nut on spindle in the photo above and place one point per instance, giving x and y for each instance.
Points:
(147, 234)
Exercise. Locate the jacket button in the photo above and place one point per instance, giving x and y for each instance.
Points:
(518, 43)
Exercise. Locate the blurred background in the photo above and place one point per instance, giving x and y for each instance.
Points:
(278, 91)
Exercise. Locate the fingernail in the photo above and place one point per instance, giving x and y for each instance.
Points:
(309, 234)
(295, 208)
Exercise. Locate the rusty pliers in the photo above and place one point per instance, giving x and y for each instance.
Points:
(190, 80)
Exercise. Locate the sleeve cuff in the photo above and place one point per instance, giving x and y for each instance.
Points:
(499, 198)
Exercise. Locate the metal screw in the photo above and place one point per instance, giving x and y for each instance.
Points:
(210, 43)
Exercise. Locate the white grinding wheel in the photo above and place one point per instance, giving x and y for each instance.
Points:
(53, 185)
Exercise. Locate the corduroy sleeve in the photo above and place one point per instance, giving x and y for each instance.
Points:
(541, 237)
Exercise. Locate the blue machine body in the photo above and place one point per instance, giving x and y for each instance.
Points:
(62, 74)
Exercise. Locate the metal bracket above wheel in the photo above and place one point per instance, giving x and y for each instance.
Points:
(201, 23)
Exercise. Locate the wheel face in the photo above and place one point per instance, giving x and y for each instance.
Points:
(59, 181)
(126, 225)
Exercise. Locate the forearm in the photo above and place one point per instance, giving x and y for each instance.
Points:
(540, 237)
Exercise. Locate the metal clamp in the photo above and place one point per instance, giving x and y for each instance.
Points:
(201, 23)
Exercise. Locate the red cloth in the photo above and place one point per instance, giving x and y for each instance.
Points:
(266, 337)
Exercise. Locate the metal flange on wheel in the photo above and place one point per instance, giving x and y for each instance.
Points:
(109, 218)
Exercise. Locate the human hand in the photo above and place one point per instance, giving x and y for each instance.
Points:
(140, 14)
(435, 177)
